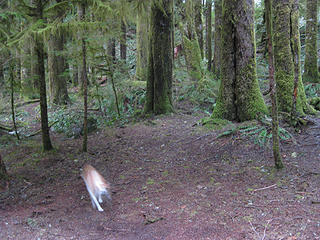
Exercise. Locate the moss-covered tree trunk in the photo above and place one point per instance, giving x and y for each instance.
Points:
(217, 36)
(142, 43)
(123, 41)
(57, 66)
(111, 51)
(209, 33)
(1, 70)
(25, 72)
(198, 23)
(84, 77)
(34, 68)
(239, 97)
(275, 121)
(311, 73)
(27, 89)
(56, 70)
(286, 41)
(190, 44)
(75, 75)
(160, 62)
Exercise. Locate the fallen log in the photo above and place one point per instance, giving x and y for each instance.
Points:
(27, 102)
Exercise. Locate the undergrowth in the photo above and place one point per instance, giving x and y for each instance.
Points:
(201, 94)
(260, 134)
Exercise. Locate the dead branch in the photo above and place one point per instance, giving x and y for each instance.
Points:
(39, 131)
(6, 128)
(27, 102)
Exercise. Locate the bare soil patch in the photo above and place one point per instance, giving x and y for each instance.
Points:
(171, 179)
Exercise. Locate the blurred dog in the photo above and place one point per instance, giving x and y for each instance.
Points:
(96, 186)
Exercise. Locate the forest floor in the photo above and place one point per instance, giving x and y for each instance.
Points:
(171, 179)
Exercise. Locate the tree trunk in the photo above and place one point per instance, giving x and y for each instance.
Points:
(287, 57)
(239, 97)
(11, 76)
(46, 142)
(191, 46)
(17, 72)
(209, 33)
(56, 70)
(57, 65)
(142, 44)
(112, 49)
(39, 51)
(198, 23)
(75, 75)
(35, 68)
(27, 89)
(159, 83)
(275, 121)
(123, 40)
(84, 77)
(311, 73)
(217, 37)
(1, 72)
(4, 177)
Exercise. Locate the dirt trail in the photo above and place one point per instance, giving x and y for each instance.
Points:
(171, 180)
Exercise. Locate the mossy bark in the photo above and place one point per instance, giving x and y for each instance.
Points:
(34, 68)
(57, 65)
(84, 78)
(239, 97)
(217, 36)
(311, 73)
(275, 121)
(284, 74)
(142, 45)
(27, 89)
(198, 23)
(56, 70)
(111, 51)
(287, 56)
(190, 44)
(193, 58)
(160, 62)
(209, 33)
(123, 41)
(2, 61)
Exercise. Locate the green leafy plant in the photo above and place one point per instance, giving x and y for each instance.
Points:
(262, 135)
(312, 90)
(70, 122)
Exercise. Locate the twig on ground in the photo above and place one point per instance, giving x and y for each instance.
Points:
(265, 229)
(254, 229)
(264, 188)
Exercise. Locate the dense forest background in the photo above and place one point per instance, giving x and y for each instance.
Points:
(102, 53)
